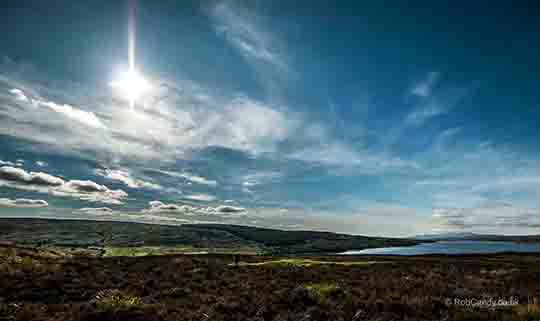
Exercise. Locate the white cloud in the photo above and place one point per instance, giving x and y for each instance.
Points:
(188, 176)
(19, 94)
(41, 163)
(201, 197)
(8, 163)
(37, 178)
(251, 126)
(124, 176)
(45, 183)
(77, 114)
(98, 211)
(229, 209)
(23, 203)
(158, 206)
(83, 117)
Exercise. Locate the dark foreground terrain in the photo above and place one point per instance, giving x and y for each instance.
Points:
(42, 284)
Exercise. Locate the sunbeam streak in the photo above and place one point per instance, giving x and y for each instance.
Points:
(130, 84)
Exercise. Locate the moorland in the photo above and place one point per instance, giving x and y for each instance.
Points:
(51, 280)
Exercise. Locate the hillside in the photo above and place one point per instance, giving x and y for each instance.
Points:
(83, 233)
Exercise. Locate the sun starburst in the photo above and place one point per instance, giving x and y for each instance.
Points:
(131, 85)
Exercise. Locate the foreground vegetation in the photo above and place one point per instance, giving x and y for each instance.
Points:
(45, 284)
(302, 262)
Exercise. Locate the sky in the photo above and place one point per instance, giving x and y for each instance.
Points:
(363, 117)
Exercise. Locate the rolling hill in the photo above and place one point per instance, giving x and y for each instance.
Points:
(85, 233)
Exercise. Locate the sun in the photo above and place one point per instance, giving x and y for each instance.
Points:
(131, 86)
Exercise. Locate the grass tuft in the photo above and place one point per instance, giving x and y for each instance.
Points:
(322, 291)
(304, 263)
(528, 312)
(116, 300)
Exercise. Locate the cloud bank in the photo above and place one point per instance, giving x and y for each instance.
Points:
(40, 182)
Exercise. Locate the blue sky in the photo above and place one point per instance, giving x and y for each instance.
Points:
(377, 119)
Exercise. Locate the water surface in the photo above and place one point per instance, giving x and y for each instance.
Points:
(453, 247)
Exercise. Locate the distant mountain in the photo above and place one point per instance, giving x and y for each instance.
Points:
(446, 236)
(454, 236)
(86, 233)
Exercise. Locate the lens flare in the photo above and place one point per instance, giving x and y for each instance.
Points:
(130, 84)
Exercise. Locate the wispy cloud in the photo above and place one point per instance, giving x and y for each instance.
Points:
(23, 203)
(41, 163)
(434, 103)
(421, 115)
(157, 129)
(510, 184)
(491, 217)
(9, 163)
(19, 94)
(125, 176)
(200, 197)
(261, 177)
(187, 176)
(338, 154)
(81, 116)
(105, 211)
(453, 178)
(84, 117)
(241, 28)
(424, 87)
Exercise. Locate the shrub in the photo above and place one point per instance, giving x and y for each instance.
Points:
(115, 299)
(322, 291)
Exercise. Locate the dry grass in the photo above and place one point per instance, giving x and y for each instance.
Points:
(322, 291)
(528, 312)
(115, 299)
(305, 263)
